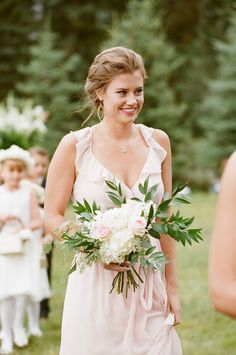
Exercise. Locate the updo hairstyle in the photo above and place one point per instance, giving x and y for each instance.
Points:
(106, 65)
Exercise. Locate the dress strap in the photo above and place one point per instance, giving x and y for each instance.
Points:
(81, 134)
(147, 133)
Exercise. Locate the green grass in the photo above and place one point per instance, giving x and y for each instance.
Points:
(202, 332)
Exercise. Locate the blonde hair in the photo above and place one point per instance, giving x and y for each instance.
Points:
(106, 65)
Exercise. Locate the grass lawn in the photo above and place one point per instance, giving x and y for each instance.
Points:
(202, 332)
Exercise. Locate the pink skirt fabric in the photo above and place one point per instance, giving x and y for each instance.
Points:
(96, 322)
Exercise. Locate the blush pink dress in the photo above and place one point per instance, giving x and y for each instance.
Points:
(96, 322)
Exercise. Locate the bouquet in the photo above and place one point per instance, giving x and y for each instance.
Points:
(126, 233)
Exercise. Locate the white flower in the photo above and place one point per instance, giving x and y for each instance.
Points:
(100, 231)
(25, 121)
(137, 225)
(117, 247)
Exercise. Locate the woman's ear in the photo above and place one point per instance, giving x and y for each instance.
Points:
(100, 94)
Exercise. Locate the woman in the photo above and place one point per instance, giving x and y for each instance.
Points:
(222, 261)
(96, 322)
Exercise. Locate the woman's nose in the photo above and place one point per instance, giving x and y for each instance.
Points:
(131, 99)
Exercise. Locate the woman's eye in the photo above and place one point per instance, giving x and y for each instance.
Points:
(139, 91)
(122, 92)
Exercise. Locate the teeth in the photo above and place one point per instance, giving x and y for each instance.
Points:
(129, 109)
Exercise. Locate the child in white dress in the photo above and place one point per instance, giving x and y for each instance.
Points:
(19, 272)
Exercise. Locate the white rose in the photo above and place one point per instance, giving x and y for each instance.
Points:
(138, 225)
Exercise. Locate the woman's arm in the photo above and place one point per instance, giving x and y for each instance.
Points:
(60, 180)
(168, 245)
(222, 258)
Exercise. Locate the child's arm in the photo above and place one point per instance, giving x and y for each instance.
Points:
(5, 218)
(36, 221)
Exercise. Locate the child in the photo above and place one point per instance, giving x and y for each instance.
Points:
(19, 273)
(38, 175)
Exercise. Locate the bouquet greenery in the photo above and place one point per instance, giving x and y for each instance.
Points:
(126, 233)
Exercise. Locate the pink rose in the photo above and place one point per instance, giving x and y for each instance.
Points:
(138, 225)
(102, 231)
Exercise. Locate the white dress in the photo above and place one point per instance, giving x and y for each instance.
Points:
(96, 322)
(21, 274)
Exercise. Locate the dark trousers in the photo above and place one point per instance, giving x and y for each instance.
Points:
(44, 304)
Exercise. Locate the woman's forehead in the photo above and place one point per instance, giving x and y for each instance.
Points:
(134, 79)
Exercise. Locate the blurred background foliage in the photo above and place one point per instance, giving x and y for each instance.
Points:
(189, 49)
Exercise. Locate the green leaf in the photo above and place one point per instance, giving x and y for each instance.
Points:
(111, 185)
(154, 234)
(181, 199)
(151, 213)
(159, 228)
(95, 207)
(120, 190)
(115, 200)
(141, 189)
(153, 189)
(150, 250)
(136, 199)
(87, 205)
(179, 188)
(145, 185)
(72, 268)
(87, 216)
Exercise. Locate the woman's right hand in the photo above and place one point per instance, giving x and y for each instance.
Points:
(118, 267)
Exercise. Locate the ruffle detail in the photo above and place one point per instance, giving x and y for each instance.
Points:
(147, 133)
(83, 137)
(88, 166)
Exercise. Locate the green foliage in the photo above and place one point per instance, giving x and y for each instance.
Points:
(218, 111)
(176, 226)
(49, 81)
(17, 26)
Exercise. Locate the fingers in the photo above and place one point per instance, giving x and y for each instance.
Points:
(177, 315)
(118, 267)
(168, 310)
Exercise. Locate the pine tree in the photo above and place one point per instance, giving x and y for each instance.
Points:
(142, 30)
(17, 25)
(49, 82)
(219, 107)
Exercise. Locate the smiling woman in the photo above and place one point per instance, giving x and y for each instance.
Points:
(118, 150)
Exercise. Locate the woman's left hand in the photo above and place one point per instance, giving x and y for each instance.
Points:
(173, 304)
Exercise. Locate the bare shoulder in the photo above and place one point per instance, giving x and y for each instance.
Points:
(66, 147)
(68, 141)
(231, 164)
(229, 174)
(161, 138)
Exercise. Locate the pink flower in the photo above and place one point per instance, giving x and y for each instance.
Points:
(102, 231)
(138, 225)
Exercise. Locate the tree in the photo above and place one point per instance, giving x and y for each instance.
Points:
(49, 82)
(142, 30)
(218, 110)
(17, 25)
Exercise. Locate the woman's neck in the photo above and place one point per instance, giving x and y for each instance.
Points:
(117, 130)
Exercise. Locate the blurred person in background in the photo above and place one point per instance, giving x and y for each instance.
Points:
(19, 269)
(38, 175)
(222, 258)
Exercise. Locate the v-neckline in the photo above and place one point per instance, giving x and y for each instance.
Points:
(109, 171)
